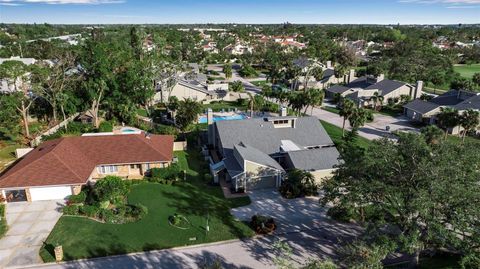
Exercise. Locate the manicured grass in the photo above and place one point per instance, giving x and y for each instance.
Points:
(142, 112)
(335, 134)
(331, 109)
(3, 221)
(467, 70)
(195, 199)
(7, 152)
(259, 83)
(218, 106)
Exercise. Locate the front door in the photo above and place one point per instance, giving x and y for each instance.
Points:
(16, 196)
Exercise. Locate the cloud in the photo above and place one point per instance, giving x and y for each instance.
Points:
(59, 2)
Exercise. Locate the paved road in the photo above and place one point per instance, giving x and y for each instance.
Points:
(249, 253)
(29, 226)
(372, 130)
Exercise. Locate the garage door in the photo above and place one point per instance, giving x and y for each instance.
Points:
(50, 193)
(261, 183)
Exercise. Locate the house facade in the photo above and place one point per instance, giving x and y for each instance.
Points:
(257, 153)
(60, 167)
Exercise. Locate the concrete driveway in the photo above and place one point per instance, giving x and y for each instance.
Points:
(293, 215)
(29, 225)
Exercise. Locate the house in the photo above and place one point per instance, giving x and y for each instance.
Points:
(425, 111)
(238, 49)
(86, 117)
(59, 168)
(363, 89)
(256, 153)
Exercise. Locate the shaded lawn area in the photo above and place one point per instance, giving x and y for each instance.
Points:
(194, 199)
(467, 70)
(7, 153)
(142, 112)
(335, 134)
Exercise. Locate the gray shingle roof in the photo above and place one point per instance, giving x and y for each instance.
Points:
(470, 103)
(252, 154)
(421, 106)
(449, 98)
(360, 82)
(386, 86)
(315, 159)
(337, 89)
(262, 135)
(232, 165)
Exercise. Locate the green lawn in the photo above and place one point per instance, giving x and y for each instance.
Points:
(331, 109)
(467, 70)
(336, 134)
(194, 199)
(7, 153)
(142, 112)
(3, 221)
(259, 83)
(218, 106)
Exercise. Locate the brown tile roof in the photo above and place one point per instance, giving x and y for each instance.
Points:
(71, 160)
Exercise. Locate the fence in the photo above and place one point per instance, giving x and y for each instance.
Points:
(37, 140)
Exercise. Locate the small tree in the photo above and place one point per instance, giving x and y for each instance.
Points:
(298, 183)
(111, 188)
(432, 134)
(227, 70)
(469, 120)
(357, 118)
(236, 86)
(447, 119)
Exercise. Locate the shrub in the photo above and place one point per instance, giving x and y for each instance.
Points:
(77, 199)
(139, 211)
(262, 224)
(298, 183)
(89, 210)
(111, 188)
(208, 177)
(71, 210)
(105, 126)
(165, 130)
(340, 213)
(170, 173)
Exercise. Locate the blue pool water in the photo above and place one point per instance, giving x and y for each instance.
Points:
(128, 131)
(203, 119)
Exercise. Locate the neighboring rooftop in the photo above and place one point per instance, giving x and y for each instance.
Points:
(315, 159)
(71, 160)
(421, 106)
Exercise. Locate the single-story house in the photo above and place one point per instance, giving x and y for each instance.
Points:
(362, 89)
(59, 168)
(425, 111)
(256, 153)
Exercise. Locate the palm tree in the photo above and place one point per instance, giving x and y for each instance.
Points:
(358, 118)
(255, 102)
(447, 119)
(347, 109)
(377, 98)
(227, 70)
(469, 120)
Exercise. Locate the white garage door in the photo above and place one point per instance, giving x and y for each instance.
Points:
(50, 193)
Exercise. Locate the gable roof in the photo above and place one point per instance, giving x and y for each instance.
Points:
(337, 89)
(71, 160)
(386, 86)
(470, 103)
(421, 106)
(252, 154)
(449, 98)
(315, 159)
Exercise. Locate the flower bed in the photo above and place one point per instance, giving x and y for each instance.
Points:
(105, 202)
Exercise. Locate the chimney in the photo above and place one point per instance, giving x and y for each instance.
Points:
(329, 64)
(283, 111)
(209, 116)
(380, 77)
(418, 89)
(351, 75)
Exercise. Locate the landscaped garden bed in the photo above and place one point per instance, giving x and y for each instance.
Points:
(195, 199)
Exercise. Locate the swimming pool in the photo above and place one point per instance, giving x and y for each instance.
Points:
(128, 131)
(203, 119)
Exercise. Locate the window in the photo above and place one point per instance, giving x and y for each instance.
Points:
(107, 169)
(147, 166)
(132, 166)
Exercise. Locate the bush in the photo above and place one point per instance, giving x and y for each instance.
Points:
(72, 210)
(77, 199)
(165, 130)
(208, 177)
(262, 224)
(105, 126)
(298, 183)
(89, 210)
(111, 188)
(340, 213)
(170, 173)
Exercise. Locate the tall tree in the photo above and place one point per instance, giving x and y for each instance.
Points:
(421, 198)
(469, 120)
(15, 73)
(346, 110)
(188, 111)
(227, 70)
(357, 119)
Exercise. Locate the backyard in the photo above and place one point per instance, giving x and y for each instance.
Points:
(467, 70)
(194, 199)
